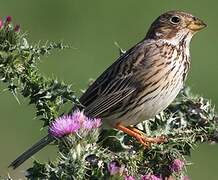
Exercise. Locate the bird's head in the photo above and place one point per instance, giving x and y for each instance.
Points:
(174, 25)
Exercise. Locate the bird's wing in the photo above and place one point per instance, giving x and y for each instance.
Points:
(108, 98)
(112, 87)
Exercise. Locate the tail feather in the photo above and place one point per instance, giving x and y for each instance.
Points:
(31, 151)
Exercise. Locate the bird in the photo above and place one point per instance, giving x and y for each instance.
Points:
(142, 82)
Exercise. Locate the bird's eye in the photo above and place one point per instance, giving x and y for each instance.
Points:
(175, 20)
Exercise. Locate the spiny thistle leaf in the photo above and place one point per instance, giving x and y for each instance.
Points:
(18, 62)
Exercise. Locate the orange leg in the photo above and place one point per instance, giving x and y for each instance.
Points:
(136, 130)
(146, 141)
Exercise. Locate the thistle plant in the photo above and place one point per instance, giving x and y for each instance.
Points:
(84, 150)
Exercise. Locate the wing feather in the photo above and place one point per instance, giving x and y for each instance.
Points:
(114, 85)
(104, 103)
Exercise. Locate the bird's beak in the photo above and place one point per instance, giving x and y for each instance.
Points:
(196, 24)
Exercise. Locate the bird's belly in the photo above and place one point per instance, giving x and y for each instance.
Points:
(148, 109)
(151, 108)
(160, 102)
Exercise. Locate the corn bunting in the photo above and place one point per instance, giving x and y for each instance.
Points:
(141, 82)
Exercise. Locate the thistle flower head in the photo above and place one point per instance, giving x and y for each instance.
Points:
(150, 177)
(185, 178)
(8, 19)
(69, 124)
(113, 168)
(1, 23)
(129, 178)
(177, 165)
(64, 125)
(17, 28)
(90, 123)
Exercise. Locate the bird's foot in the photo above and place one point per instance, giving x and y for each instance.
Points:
(142, 139)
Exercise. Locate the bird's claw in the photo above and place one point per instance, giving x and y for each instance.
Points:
(147, 141)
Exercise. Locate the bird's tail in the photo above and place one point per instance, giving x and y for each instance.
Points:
(31, 151)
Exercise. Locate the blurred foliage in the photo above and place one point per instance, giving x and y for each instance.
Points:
(92, 27)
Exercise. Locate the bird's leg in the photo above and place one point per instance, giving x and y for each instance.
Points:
(155, 140)
(132, 133)
(136, 130)
(137, 134)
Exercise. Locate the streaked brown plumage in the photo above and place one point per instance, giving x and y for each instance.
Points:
(143, 81)
(147, 78)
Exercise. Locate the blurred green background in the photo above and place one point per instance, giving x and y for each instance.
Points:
(92, 27)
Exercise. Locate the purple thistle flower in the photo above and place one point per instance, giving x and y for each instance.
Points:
(185, 178)
(65, 125)
(70, 124)
(8, 19)
(177, 165)
(91, 123)
(150, 177)
(88, 124)
(129, 178)
(113, 168)
(96, 123)
(1, 23)
(17, 28)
